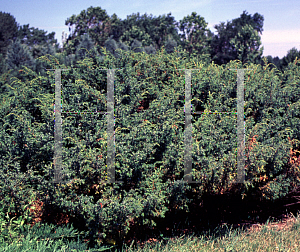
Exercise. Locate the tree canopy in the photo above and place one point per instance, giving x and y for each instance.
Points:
(8, 31)
(196, 36)
(238, 39)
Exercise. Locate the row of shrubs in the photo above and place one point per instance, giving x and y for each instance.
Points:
(149, 134)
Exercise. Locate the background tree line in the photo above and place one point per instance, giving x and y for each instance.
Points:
(238, 39)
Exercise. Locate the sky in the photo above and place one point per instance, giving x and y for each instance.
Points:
(281, 18)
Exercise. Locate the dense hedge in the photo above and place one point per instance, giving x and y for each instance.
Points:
(149, 137)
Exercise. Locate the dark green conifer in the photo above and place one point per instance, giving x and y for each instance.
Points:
(85, 46)
(170, 44)
(150, 49)
(19, 55)
(111, 45)
(137, 46)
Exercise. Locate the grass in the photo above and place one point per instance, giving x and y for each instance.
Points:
(226, 233)
(271, 236)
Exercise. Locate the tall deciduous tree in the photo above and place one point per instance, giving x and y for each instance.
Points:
(149, 30)
(94, 21)
(290, 57)
(136, 33)
(237, 39)
(136, 27)
(164, 26)
(117, 27)
(196, 36)
(246, 44)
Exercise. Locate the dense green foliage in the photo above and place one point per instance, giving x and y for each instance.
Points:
(238, 39)
(149, 124)
(149, 95)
